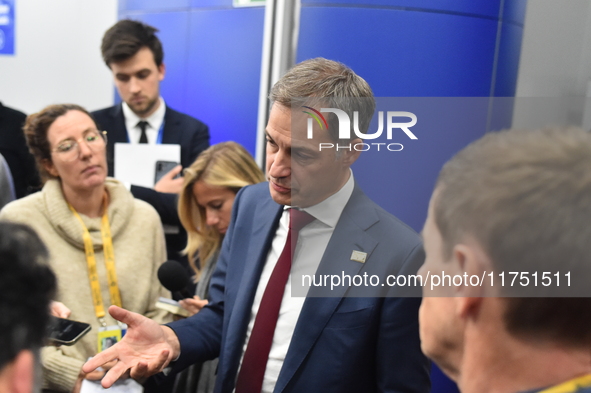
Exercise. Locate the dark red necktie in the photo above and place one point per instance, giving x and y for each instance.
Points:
(254, 363)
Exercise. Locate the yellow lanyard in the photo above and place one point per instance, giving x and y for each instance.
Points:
(109, 254)
(569, 386)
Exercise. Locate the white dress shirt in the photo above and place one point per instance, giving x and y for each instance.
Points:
(154, 121)
(312, 242)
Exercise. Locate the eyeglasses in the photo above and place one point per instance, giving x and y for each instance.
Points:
(69, 149)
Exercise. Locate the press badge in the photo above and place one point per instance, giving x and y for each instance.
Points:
(110, 335)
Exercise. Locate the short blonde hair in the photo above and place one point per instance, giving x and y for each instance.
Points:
(225, 164)
(525, 197)
(323, 82)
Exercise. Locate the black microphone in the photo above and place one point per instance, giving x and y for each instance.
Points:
(174, 277)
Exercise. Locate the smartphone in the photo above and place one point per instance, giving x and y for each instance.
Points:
(172, 307)
(162, 168)
(66, 332)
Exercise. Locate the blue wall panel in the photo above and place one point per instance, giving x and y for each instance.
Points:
(501, 112)
(212, 71)
(211, 3)
(514, 11)
(508, 60)
(483, 8)
(152, 5)
(163, 6)
(403, 53)
(402, 182)
(224, 72)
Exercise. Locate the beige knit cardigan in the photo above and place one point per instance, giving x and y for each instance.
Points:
(139, 246)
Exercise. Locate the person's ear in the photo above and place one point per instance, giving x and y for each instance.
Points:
(469, 264)
(350, 156)
(161, 71)
(50, 168)
(467, 307)
(22, 371)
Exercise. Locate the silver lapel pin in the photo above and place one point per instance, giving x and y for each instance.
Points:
(358, 256)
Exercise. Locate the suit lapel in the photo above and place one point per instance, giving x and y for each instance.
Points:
(172, 132)
(259, 242)
(349, 235)
(117, 131)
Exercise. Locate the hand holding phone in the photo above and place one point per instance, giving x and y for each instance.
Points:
(162, 168)
(66, 332)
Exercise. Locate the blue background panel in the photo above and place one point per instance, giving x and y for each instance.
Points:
(212, 71)
(172, 5)
(7, 30)
(402, 53)
(483, 8)
(508, 60)
(224, 72)
(153, 5)
(514, 11)
(211, 3)
(402, 182)
(501, 110)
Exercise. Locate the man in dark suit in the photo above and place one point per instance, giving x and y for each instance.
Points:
(134, 54)
(14, 149)
(341, 340)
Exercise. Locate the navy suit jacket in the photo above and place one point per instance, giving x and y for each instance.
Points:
(14, 149)
(340, 344)
(179, 129)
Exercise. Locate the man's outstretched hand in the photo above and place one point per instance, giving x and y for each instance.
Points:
(146, 349)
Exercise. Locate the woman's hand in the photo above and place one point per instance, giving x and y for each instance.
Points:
(168, 183)
(193, 305)
(59, 309)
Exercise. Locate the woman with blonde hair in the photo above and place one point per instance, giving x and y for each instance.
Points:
(205, 207)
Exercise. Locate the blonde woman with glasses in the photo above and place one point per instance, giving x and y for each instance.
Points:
(105, 246)
(205, 207)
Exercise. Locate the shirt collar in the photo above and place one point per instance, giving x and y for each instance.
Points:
(329, 210)
(155, 119)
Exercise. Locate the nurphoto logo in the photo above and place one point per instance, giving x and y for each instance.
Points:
(392, 123)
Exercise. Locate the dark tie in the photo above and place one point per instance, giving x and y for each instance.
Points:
(142, 125)
(254, 363)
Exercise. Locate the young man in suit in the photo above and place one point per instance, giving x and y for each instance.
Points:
(514, 205)
(268, 340)
(134, 54)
